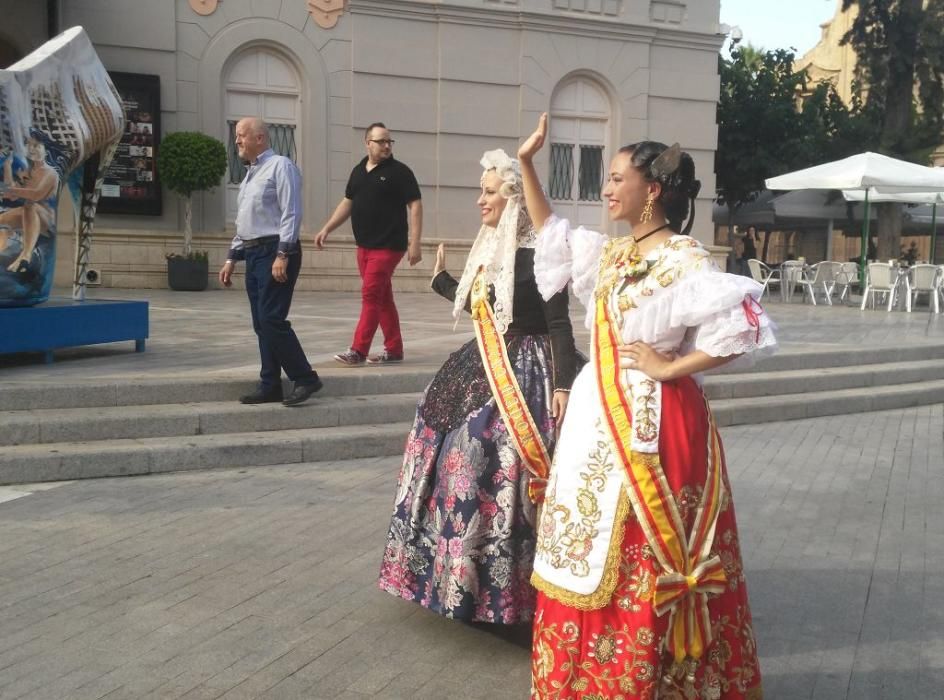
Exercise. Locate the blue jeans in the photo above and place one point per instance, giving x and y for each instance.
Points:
(269, 302)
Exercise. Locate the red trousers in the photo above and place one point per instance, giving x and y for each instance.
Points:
(376, 266)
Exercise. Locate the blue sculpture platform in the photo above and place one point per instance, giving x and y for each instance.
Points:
(62, 323)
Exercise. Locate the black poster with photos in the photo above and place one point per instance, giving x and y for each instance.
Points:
(131, 185)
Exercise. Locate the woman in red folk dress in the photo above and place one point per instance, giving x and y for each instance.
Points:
(641, 591)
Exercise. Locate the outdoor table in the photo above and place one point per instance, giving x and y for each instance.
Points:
(791, 272)
(903, 280)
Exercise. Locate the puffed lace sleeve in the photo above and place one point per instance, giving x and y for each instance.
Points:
(563, 254)
(725, 312)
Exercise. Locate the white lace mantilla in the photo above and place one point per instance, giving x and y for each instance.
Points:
(495, 248)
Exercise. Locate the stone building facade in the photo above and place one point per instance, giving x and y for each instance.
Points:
(451, 78)
(831, 61)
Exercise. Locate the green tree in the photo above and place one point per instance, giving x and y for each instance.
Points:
(188, 162)
(830, 130)
(899, 45)
(753, 56)
(762, 128)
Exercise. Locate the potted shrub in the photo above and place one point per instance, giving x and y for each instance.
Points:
(189, 162)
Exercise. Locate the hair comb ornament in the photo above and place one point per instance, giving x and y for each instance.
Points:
(667, 162)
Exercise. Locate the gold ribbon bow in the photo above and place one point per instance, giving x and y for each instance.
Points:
(689, 572)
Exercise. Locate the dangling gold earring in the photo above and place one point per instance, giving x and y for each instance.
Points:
(646, 216)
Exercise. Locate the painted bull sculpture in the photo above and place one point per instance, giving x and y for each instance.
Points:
(60, 122)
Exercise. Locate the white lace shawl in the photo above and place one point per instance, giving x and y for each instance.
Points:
(495, 248)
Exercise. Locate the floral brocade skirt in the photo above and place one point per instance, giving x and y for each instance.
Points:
(617, 652)
(461, 539)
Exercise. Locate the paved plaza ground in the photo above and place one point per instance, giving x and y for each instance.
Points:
(260, 582)
(209, 334)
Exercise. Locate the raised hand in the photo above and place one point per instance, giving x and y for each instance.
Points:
(440, 259)
(535, 141)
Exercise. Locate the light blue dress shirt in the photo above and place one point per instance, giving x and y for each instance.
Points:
(269, 202)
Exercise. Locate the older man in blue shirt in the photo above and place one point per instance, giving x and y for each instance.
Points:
(268, 218)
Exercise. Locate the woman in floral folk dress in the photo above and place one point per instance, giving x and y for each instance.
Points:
(461, 539)
(641, 587)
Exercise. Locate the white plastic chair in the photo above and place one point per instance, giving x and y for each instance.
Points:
(847, 276)
(881, 278)
(924, 279)
(764, 275)
(822, 275)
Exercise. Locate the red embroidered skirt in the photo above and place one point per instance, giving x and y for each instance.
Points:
(618, 652)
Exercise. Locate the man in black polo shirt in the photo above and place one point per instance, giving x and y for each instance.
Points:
(379, 193)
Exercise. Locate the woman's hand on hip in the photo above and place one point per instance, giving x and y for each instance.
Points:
(646, 359)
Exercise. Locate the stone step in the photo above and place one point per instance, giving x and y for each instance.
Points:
(84, 460)
(361, 381)
(821, 379)
(186, 419)
(206, 418)
(164, 420)
(767, 409)
(840, 356)
(125, 457)
(17, 396)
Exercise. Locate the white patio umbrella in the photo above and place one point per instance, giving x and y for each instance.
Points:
(932, 198)
(864, 172)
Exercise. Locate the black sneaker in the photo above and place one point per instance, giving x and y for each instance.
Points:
(261, 395)
(351, 358)
(385, 358)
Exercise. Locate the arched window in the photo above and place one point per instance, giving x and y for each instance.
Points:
(261, 82)
(580, 127)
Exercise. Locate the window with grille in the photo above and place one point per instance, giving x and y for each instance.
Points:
(589, 173)
(281, 140)
(590, 176)
(560, 183)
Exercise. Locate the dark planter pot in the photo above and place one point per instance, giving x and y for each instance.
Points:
(185, 275)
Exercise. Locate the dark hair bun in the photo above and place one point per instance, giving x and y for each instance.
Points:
(679, 187)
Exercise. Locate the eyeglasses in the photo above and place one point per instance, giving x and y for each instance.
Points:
(382, 142)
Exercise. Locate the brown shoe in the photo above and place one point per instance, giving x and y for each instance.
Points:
(351, 358)
(385, 358)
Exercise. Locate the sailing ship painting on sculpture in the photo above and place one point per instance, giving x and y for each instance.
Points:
(60, 121)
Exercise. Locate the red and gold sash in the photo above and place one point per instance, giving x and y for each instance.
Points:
(501, 377)
(689, 572)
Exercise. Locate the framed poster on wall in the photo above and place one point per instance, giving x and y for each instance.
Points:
(131, 185)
